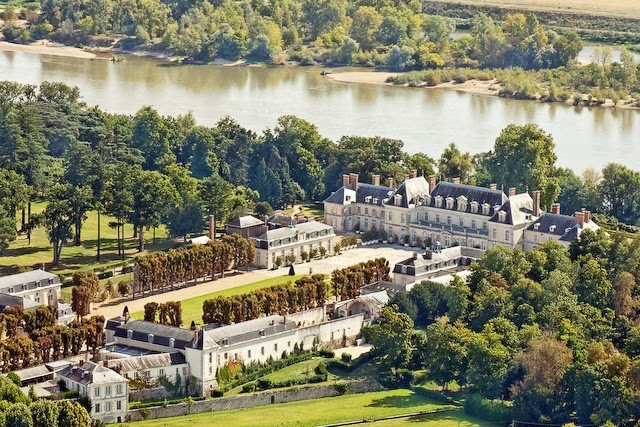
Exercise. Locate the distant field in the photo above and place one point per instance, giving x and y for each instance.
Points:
(604, 7)
(24, 256)
(192, 307)
(345, 408)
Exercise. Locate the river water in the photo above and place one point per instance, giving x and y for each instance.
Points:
(425, 119)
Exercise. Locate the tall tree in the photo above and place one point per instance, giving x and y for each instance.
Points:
(58, 218)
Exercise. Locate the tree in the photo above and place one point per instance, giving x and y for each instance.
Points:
(624, 289)
(619, 191)
(444, 353)
(151, 137)
(593, 285)
(80, 201)
(44, 413)
(524, 157)
(18, 415)
(7, 229)
(455, 164)
(58, 218)
(365, 27)
(72, 414)
(81, 299)
(14, 192)
(391, 338)
(488, 365)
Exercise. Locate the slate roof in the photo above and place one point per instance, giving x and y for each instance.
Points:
(290, 232)
(562, 223)
(245, 221)
(95, 373)
(7, 300)
(143, 363)
(214, 335)
(473, 193)
(161, 333)
(312, 227)
(27, 277)
(413, 188)
(365, 190)
(33, 372)
(381, 285)
(517, 209)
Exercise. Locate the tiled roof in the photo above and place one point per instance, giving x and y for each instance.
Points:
(245, 331)
(245, 221)
(290, 232)
(481, 195)
(365, 190)
(161, 333)
(94, 373)
(561, 222)
(27, 277)
(7, 300)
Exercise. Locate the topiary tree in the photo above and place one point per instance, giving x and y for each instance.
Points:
(278, 261)
(292, 271)
(124, 288)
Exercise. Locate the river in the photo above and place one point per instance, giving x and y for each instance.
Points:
(425, 119)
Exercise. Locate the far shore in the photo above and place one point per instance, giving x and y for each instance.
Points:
(44, 47)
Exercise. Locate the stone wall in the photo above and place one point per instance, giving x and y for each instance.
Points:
(257, 399)
(143, 395)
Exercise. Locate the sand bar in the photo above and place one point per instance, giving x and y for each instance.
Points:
(46, 48)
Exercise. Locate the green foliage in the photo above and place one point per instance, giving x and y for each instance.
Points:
(494, 411)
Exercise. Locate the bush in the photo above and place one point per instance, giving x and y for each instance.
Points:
(494, 411)
(400, 378)
(218, 393)
(346, 357)
(249, 387)
(105, 274)
(321, 369)
(14, 378)
(329, 354)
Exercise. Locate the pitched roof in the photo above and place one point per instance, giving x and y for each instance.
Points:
(245, 221)
(161, 333)
(27, 277)
(291, 232)
(561, 223)
(390, 287)
(143, 363)
(94, 373)
(517, 209)
(411, 189)
(7, 300)
(364, 190)
(214, 335)
(312, 227)
(481, 195)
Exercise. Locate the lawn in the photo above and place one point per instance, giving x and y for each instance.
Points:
(22, 256)
(192, 307)
(296, 371)
(330, 410)
(455, 418)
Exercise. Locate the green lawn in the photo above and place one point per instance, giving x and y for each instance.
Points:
(23, 256)
(455, 418)
(192, 307)
(312, 412)
(296, 371)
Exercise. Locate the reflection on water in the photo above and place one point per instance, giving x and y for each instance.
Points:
(425, 119)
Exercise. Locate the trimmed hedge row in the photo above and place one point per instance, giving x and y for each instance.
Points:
(266, 384)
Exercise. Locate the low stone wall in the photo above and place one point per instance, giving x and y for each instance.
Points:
(154, 393)
(257, 399)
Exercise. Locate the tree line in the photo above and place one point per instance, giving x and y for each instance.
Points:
(163, 270)
(550, 333)
(148, 170)
(397, 34)
(166, 313)
(347, 282)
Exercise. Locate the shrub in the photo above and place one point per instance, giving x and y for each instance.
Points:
(321, 369)
(249, 387)
(346, 357)
(105, 274)
(329, 354)
(14, 378)
(218, 393)
(494, 411)
(400, 378)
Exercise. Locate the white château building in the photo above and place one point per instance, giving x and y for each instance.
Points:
(444, 214)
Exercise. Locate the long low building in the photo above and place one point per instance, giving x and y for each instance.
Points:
(431, 265)
(207, 349)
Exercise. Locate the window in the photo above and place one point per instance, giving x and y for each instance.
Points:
(495, 234)
(275, 347)
(210, 357)
(161, 372)
(438, 218)
(108, 390)
(119, 389)
(390, 216)
(448, 220)
(473, 223)
(249, 354)
(119, 405)
(461, 222)
(366, 211)
(97, 392)
(97, 408)
(107, 406)
(506, 235)
(226, 356)
(262, 351)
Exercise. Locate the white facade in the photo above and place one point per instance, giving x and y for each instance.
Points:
(108, 391)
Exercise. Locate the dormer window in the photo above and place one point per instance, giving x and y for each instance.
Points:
(150, 338)
(129, 334)
(262, 333)
(568, 229)
(485, 208)
(536, 226)
(397, 200)
(367, 199)
(225, 341)
(449, 202)
(502, 216)
(375, 200)
(462, 203)
(438, 201)
(552, 229)
(474, 207)
(172, 342)
(496, 208)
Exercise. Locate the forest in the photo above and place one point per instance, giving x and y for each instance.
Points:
(548, 336)
(148, 170)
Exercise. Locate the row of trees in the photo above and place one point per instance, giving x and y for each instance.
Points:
(17, 409)
(553, 332)
(161, 270)
(167, 313)
(346, 282)
(307, 292)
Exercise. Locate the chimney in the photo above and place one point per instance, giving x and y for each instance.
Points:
(428, 254)
(353, 180)
(81, 362)
(345, 180)
(493, 186)
(390, 182)
(456, 180)
(432, 182)
(212, 227)
(415, 255)
(536, 202)
(375, 179)
(512, 191)
(555, 208)
(587, 216)
(580, 219)
(414, 173)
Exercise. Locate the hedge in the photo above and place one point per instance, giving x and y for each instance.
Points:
(399, 378)
(495, 411)
(350, 366)
(267, 384)
(105, 274)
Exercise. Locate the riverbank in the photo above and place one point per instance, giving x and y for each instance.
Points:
(44, 47)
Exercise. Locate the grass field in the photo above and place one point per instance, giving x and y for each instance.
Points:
(297, 371)
(192, 307)
(22, 256)
(324, 411)
(601, 7)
